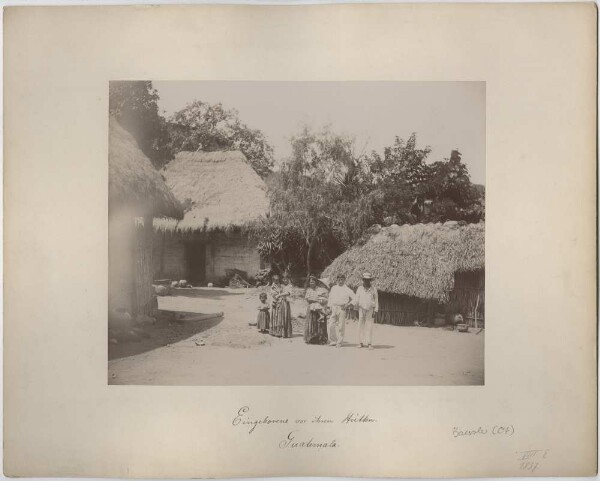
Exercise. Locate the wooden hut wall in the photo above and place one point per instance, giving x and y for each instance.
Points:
(121, 239)
(130, 266)
(144, 296)
(468, 294)
(169, 256)
(232, 251)
(222, 251)
(399, 310)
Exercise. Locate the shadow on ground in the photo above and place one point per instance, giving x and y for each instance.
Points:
(169, 330)
(375, 346)
(205, 292)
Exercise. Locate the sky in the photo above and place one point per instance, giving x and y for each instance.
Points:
(444, 115)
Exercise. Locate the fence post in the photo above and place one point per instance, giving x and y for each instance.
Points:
(476, 307)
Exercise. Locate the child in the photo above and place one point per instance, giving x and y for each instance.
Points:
(325, 310)
(263, 317)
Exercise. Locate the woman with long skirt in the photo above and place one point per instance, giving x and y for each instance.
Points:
(275, 329)
(315, 331)
(284, 312)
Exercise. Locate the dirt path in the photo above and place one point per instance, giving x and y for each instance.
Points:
(225, 350)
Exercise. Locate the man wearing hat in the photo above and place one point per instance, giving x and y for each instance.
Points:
(368, 304)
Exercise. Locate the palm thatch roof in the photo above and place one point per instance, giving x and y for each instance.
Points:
(414, 260)
(219, 190)
(132, 179)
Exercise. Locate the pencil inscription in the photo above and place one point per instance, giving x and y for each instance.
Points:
(495, 430)
(531, 459)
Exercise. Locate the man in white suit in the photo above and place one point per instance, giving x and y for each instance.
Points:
(341, 298)
(368, 304)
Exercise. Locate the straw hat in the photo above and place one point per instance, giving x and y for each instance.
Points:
(367, 275)
(325, 282)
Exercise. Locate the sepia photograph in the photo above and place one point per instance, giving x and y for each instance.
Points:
(293, 227)
(296, 233)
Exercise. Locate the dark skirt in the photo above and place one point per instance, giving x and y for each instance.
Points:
(262, 321)
(315, 332)
(281, 324)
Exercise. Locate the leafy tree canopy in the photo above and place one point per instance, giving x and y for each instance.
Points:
(320, 203)
(210, 127)
(327, 195)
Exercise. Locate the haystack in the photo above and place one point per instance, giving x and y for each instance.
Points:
(415, 260)
(133, 181)
(219, 191)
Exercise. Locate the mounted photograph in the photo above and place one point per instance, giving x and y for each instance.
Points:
(296, 233)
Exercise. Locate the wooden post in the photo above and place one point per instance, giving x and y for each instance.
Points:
(162, 254)
(476, 307)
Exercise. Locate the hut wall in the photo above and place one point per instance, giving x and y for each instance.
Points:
(129, 267)
(169, 256)
(468, 287)
(225, 252)
(399, 310)
(222, 251)
(144, 296)
(121, 238)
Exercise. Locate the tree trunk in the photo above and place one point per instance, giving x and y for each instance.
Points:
(311, 247)
(162, 254)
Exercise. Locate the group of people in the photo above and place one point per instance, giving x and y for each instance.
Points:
(280, 323)
(326, 312)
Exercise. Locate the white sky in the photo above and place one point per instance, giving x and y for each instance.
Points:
(445, 115)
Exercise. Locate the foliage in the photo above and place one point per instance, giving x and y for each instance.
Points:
(135, 105)
(327, 195)
(401, 175)
(402, 163)
(210, 127)
(454, 196)
(320, 203)
(406, 180)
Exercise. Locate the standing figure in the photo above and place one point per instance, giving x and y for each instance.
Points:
(368, 304)
(276, 288)
(341, 298)
(284, 312)
(315, 329)
(263, 317)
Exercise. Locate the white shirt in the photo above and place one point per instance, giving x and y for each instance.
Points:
(367, 298)
(340, 295)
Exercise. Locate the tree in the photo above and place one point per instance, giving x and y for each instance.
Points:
(319, 202)
(406, 180)
(326, 196)
(402, 177)
(455, 197)
(210, 127)
(135, 105)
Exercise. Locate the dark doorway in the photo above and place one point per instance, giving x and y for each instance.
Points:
(195, 261)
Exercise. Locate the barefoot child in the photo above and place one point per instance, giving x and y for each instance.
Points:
(263, 317)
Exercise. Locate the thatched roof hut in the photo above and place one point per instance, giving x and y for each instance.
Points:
(415, 260)
(219, 191)
(133, 181)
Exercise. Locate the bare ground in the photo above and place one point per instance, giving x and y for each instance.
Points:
(215, 345)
